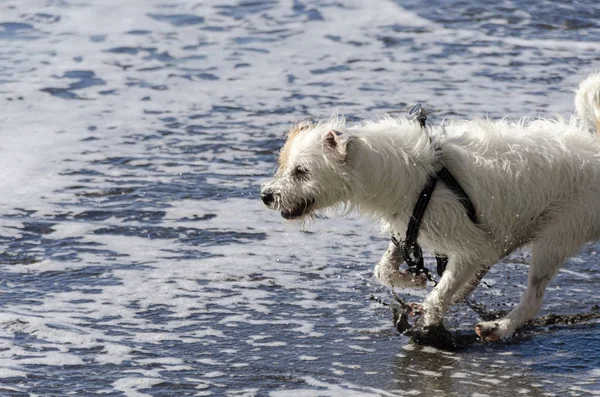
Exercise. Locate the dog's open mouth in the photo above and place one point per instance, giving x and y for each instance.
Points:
(299, 211)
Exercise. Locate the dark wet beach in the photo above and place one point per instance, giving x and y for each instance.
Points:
(135, 256)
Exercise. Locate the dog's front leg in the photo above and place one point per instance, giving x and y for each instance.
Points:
(473, 282)
(456, 277)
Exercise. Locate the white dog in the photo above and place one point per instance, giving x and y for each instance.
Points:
(535, 182)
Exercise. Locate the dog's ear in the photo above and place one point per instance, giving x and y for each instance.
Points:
(337, 142)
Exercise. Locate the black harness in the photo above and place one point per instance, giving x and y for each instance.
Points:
(410, 250)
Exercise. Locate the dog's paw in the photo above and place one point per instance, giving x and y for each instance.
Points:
(493, 330)
(415, 309)
(401, 312)
(389, 274)
(399, 279)
(434, 335)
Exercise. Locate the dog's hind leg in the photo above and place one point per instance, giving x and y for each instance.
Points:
(549, 251)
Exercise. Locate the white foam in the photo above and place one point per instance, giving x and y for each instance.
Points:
(131, 386)
(241, 283)
(11, 373)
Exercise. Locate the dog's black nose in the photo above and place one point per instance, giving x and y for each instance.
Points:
(267, 198)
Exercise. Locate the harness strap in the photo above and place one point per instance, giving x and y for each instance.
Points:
(442, 263)
(410, 245)
(452, 184)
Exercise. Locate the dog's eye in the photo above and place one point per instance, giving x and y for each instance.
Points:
(299, 172)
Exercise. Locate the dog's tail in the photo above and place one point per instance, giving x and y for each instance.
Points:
(587, 102)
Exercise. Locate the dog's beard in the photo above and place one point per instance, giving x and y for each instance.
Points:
(300, 210)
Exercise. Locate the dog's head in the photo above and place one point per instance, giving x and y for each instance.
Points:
(312, 171)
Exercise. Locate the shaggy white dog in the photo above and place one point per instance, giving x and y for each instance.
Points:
(531, 182)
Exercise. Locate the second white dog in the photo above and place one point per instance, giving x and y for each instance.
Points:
(534, 182)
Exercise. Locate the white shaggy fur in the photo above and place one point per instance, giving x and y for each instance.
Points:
(534, 182)
(587, 102)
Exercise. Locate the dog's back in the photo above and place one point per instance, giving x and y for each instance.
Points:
(520, 174)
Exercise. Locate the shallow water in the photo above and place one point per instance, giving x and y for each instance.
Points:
(136, 257)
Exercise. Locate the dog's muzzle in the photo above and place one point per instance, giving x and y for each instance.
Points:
(298, 211)
(267, 198)
(272, 199)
